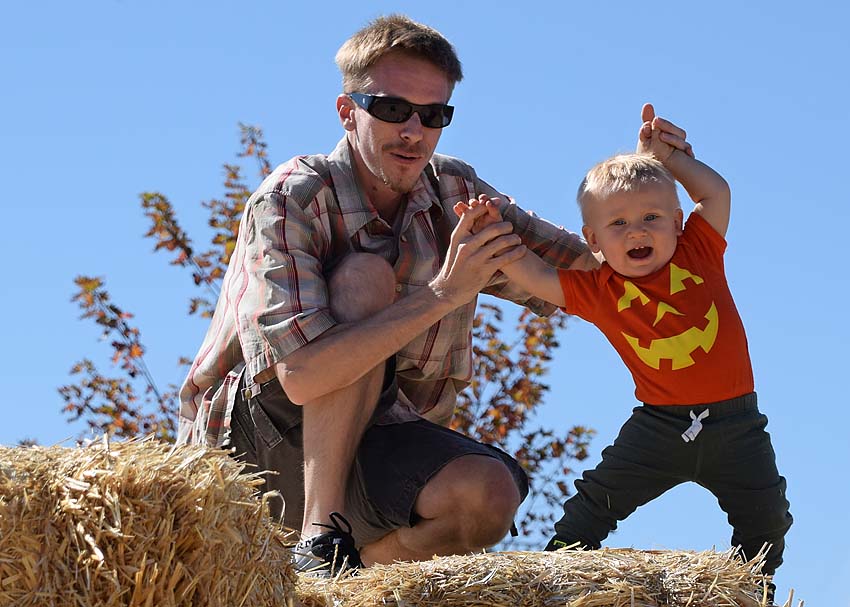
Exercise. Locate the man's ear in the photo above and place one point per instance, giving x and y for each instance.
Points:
(590, 237)
(345, 109)
(679, 218)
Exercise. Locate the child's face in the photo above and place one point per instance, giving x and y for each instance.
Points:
(636, 231)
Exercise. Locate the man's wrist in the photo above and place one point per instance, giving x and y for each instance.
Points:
(442, 294)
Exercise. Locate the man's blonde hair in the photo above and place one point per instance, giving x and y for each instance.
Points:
(394, 33)
(622, 173)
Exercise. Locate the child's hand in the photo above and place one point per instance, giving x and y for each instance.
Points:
(490, 217)
(660, 137)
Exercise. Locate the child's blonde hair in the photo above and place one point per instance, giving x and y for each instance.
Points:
(622, 173)
(391, 33)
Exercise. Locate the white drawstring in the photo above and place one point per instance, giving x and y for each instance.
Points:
(691, 433)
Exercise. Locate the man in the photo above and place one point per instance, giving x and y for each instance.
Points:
(342, 334)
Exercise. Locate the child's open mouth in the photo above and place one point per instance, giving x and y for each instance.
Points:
(640, 252)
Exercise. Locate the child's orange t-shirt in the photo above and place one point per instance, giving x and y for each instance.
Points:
(678, 329)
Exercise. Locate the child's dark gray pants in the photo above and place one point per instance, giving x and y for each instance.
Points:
(731, 456)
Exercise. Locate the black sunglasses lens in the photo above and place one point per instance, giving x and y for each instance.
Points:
(442, 116)
(390, 110)
(431, 116)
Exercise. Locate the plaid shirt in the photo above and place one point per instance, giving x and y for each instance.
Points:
(306, 216)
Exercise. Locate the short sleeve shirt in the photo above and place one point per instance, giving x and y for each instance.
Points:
(678, 329)
(306, 216)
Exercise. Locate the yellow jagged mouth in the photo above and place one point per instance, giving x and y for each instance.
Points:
(678, 348)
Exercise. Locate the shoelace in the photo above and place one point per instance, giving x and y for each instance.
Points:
(341, 526)
(337, 521)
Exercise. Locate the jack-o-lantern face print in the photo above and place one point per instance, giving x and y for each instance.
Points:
(675, 348)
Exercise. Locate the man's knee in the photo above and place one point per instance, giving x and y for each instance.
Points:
(487, 499)
(360, 286)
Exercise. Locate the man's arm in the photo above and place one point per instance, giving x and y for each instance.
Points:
(345, 353)
(708, 190)
(586, 261)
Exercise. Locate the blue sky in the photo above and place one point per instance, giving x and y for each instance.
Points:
(103, 100)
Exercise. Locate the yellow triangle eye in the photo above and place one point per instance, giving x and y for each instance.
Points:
(678, 276)
(632, 293)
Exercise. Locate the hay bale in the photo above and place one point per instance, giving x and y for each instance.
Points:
(603, 578)
(136, 524)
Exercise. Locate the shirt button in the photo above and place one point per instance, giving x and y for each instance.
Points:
(398, 288)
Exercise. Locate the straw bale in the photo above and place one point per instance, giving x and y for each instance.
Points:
(136, 524)
(603, 578)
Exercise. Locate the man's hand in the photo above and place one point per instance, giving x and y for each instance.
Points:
(474, 257)
(490, 217)
(660, 137)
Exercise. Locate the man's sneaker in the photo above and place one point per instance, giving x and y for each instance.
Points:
(329, 553)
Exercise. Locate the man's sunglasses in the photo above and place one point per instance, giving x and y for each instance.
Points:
(396, 110)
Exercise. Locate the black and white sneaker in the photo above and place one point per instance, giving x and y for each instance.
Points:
(330, 553)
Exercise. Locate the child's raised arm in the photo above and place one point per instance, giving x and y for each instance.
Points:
(704, 185)
(530, 273)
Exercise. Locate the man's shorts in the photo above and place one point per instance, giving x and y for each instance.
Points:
(393, 462)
